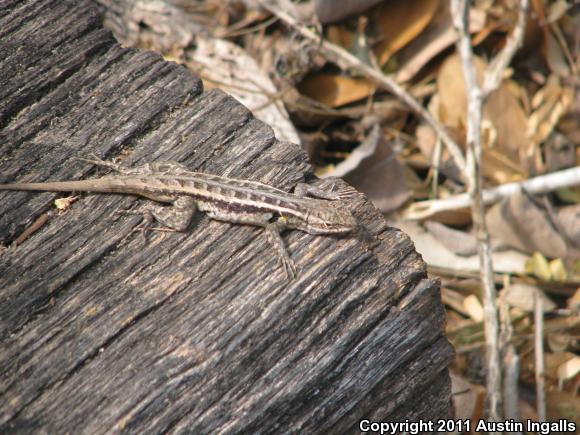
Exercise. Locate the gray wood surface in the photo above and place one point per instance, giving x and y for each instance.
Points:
(199, 332)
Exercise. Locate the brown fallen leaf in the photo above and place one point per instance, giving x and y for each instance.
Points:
(381, 177)
(435, 38)
(465, 397)
(452, 106)
(569, 122)
(518, 222)
(523, 296)
(574, 302)
(399, 22)
(510, 147)
(503, 127)
(563, 405)
(548, 104)
(330, 11)
(221, 63)
(474, 308)
(569, 223)
(335, 90)
(426, 141)
(560, 341)
(458, 242)
(559, 151)
(555, 57)
(365, 150)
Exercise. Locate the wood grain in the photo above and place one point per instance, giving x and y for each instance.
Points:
(199, 332)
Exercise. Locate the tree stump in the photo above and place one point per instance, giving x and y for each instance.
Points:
(198, 332)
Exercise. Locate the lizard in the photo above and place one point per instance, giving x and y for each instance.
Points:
(240, 201)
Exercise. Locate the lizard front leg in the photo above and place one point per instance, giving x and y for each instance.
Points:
(95, 160)
(273, 230)
(304, 190)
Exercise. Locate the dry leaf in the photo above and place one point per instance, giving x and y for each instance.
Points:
(452, 107)
(465, 397)
(426, 141)
(503, 127)
(458, 242)
(510, 146)
(63, 204)
(569, 369)
(335, 90)
(518, 222)
(555, 57)
(330, 11)
(559, 151)
(341, 36)
(557, 10)
(523, 296)
(558, 270)
(365, 150)
(381, 177)
(473, 308)
(549, 104)
(435, 254)
(435, 38)
(220, 62)
(560, 341)
(399, 22)
(538, 265)
(574, 302)
(454, 299)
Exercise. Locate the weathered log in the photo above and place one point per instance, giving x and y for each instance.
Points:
(199, 332)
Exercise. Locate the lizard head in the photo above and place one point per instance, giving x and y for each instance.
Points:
(330, 220)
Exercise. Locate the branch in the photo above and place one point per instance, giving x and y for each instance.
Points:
(335, 52)
(493, 74)
(534, 186)
(475, 98)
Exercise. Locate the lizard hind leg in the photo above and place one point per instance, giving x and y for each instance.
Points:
(95, 160)
(176, 216)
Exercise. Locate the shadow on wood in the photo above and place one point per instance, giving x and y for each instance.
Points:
(197, 332)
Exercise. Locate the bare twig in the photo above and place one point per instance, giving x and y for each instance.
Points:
(542, 184)
(539, 356)
(511, 361)
(337, 53)
(476, 96)
(460, 16)
(232, 32)
(493, 74)
(436, 163)
(511, 381)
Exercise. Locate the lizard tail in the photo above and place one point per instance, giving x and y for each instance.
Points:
(63, 186)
